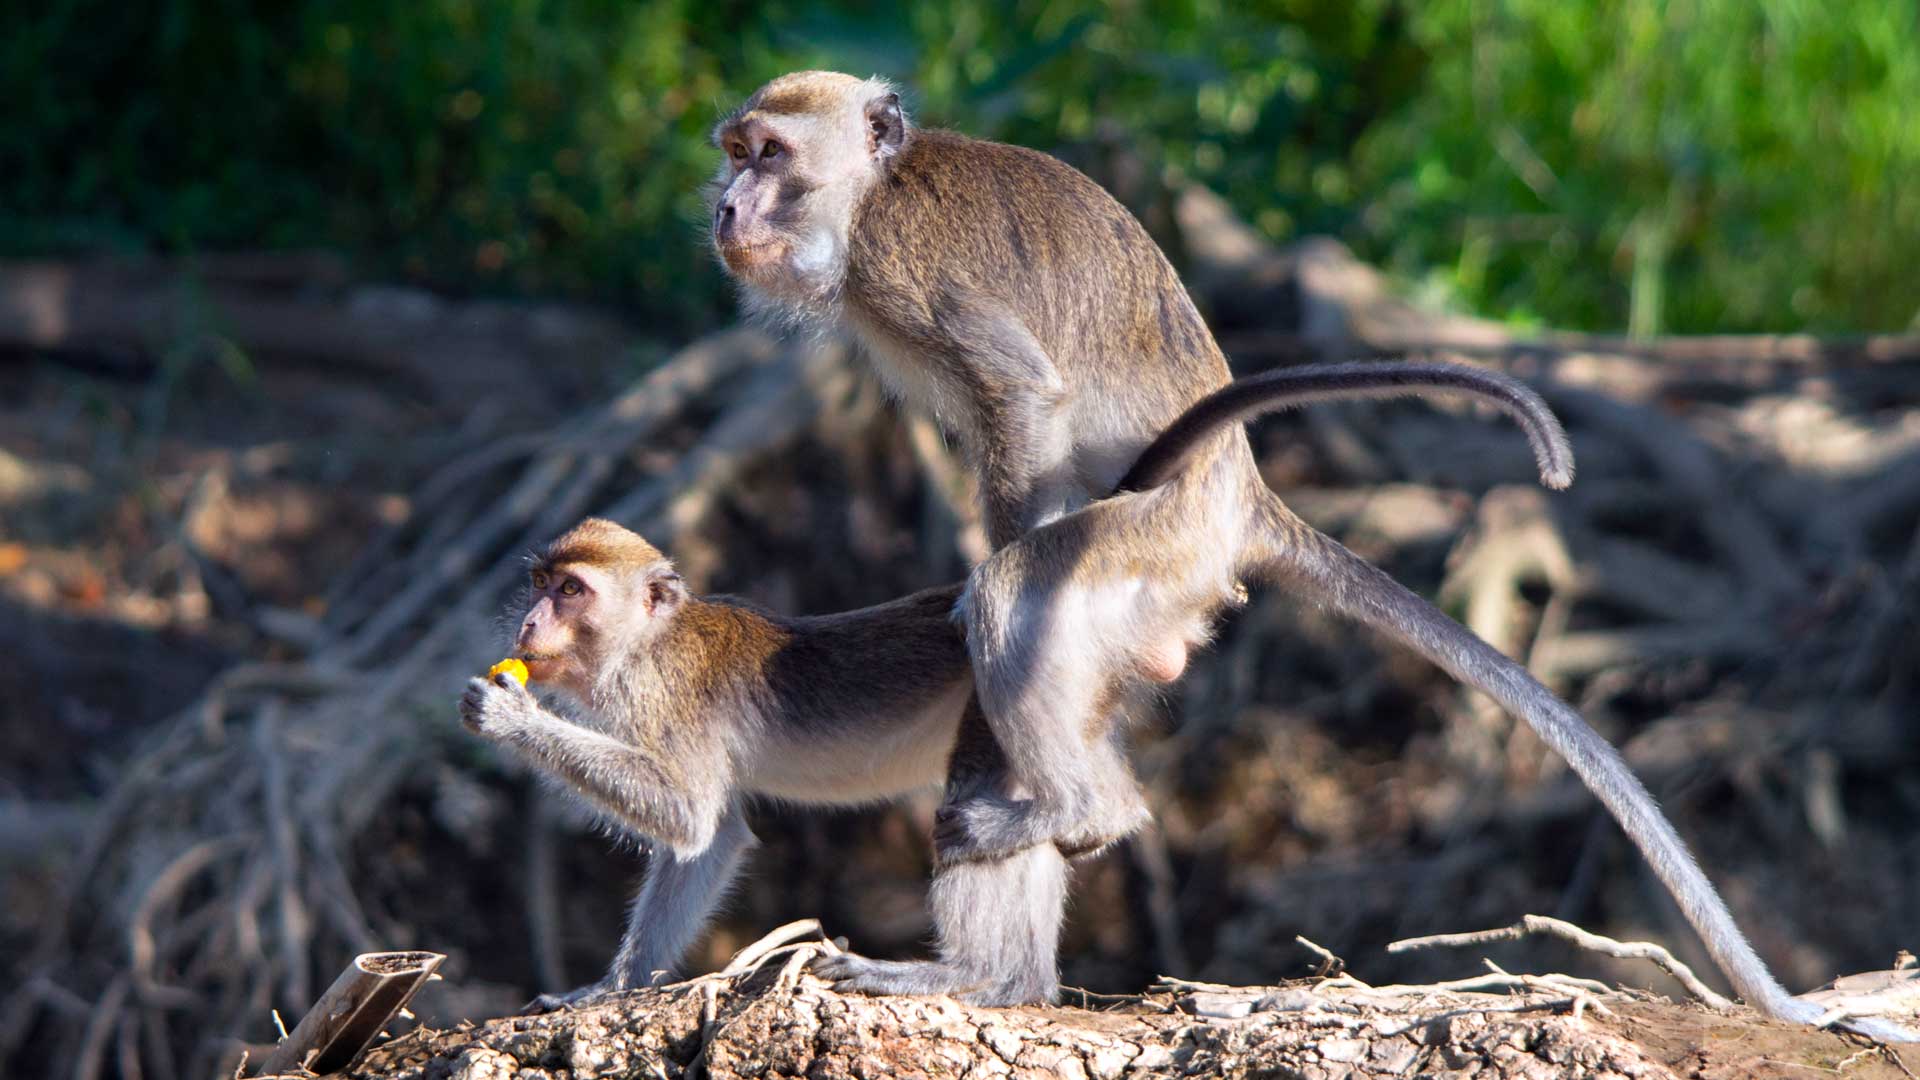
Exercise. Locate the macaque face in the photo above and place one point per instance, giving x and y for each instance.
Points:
(795, 160)
(561, 631)
(761, 214)
(583, 616)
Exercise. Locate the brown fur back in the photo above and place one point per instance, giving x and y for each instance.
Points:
(1040, 237)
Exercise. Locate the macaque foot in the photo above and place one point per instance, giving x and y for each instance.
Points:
(988, 826)
(850, 973)
(547, 1003)
(1104, 831)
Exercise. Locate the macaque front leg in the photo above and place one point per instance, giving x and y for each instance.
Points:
(619, 780)
(1025, 443)
(676, 898)
(675, 902)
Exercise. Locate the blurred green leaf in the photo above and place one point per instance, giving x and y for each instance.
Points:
(1499, 154)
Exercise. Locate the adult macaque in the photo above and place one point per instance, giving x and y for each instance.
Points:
(686, 706)
(1027, 311)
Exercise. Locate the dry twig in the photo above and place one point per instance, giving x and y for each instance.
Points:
(1541, 924)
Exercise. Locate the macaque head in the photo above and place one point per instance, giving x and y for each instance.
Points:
(593, 594)
(795, 160)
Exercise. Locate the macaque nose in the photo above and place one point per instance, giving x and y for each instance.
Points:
(723, 217)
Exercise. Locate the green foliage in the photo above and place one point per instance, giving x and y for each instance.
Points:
(504, 146)
(1688, 165)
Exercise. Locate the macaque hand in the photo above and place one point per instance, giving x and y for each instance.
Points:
(492, 705)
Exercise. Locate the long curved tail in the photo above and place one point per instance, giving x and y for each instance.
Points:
(1318, 568)
(1288, 388)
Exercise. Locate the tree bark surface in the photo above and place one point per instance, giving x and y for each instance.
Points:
(808, 1030)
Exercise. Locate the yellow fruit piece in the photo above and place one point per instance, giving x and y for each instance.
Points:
(512, 667)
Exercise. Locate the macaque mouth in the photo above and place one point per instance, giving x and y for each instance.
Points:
(736, 252)
(537, 658)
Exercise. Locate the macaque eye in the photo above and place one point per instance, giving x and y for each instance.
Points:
(539, 580)
(738, 151)
(571, 588)
(770, 150)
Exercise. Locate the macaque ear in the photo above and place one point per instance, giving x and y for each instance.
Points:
(664, 592)
(886, 125)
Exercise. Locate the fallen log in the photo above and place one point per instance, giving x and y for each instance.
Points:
(436, 350)
(776, 1026)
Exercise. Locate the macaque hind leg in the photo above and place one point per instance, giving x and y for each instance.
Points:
(997, 920)
(999, 935)
(1119, 808)
(1054, 629)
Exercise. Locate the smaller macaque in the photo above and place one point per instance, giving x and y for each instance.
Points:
(685, 705)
